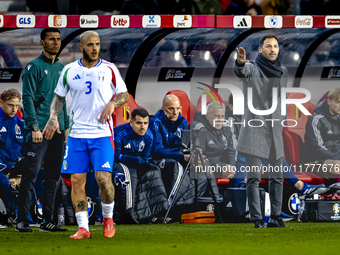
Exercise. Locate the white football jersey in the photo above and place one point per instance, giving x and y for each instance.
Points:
(91, 90)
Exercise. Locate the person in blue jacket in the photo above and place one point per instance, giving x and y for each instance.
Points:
(11, 140)
(134, 170)
(168, 127)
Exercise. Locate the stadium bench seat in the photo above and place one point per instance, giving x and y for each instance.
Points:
(122, 114)
(293, 136)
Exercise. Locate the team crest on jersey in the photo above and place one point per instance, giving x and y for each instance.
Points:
(178, 132)
(101, 76)
(17, 130)
(141, 146)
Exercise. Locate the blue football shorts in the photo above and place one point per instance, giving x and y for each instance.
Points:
(83, 155)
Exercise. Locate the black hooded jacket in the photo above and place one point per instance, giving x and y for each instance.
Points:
(322, 138)
(217, 145)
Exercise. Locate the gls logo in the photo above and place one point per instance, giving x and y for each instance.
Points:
(25, 21)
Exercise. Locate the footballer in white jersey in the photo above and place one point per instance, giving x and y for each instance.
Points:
(92, 83)
(91, 90)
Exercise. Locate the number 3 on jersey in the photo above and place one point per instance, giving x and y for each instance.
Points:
(89, 84)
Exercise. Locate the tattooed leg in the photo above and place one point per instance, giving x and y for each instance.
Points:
(78, 194)
(106, 188)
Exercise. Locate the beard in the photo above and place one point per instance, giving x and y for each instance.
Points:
(88, 58)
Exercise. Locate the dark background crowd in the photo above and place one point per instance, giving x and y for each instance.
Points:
(217, 7)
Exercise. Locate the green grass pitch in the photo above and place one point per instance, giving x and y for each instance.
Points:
(297, 238)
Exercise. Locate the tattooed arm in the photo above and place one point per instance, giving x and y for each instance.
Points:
(120, 99)
(52, 125)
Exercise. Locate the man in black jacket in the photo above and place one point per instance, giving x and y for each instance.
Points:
(216, 141)
(322, 138)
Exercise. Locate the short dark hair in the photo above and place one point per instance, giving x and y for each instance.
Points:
(140, 112)
(48, 30)
(231, 99)
(263, 38)
(9, 94)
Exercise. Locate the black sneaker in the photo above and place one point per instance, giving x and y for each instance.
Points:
(260, 224)
(51, 227)
(275, 223)
(23, 227)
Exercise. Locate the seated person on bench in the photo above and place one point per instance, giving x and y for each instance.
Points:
(11, 140)
(140, 192)
(322, 138)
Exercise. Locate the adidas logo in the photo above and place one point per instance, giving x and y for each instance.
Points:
(106, 165)
(3, 129)
(211, 142)
(243, 23)
(77, 77)
(128, 146)
(46, 72)
(229, 204)
(29, 67)
(329, 132)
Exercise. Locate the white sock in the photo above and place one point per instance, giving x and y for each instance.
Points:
(82, 220)
(108, 209)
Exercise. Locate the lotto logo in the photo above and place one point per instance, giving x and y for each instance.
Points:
(120, 21)
(25, 21)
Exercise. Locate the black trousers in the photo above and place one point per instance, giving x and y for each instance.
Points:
(50, 152)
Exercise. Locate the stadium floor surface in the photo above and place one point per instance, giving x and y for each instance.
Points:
(233, 238)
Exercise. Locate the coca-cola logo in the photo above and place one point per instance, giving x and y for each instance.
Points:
(119, 22)
(303, 22)
(333, 22)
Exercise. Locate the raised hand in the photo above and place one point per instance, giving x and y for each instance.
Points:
(241, 55)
